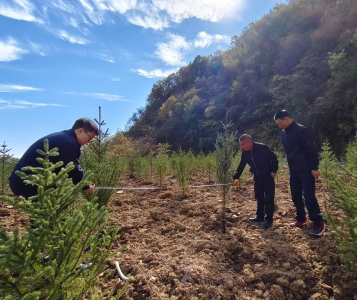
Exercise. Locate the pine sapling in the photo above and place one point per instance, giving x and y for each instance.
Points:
(328, 164)
(6, 166)
(161, 167)
(351, 155)
(201, 162)
(105, 166)
(66, 231)
(144, 169)
(225, 153)
(343, 197)
(210, 164)
(182, 169)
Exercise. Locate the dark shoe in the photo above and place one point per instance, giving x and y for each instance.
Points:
(299, 224)
(256, 220)
(318, 229)
(267, 224)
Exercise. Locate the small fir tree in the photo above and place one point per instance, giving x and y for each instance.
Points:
(106, 167)
(343, 197)
(161, 167)
(66, 231)
(351, 155)
(225, 153)
(182, 168)
(210, 163)
(6, 166)
(328, 164)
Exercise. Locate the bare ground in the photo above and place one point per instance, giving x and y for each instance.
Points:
(176, 249)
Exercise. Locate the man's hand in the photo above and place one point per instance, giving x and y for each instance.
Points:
(272, 174)
(91, 189)
(316, 174)
(235, 182)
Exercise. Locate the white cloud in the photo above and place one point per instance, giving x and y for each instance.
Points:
(105, 57)
(158, 73)
(108, 97)
(173, 52)
(64, 35)
(36, 48)
(19, 10)
(9, 50)
(205, 40)
(116, 79)
(10, 88)
(155, 14)
(20, 104)
(154, 22)
(33, 104)
(121, 6)
(208, 10)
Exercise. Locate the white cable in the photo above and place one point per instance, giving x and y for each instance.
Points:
(121, 275)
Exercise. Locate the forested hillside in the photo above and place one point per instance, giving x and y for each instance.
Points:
(302, 56)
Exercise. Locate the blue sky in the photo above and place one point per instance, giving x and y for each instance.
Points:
(62, 59)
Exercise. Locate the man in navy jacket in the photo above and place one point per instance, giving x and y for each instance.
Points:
(69, 143)
(264, 165)
(303, 160)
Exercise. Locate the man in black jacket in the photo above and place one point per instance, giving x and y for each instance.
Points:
(264, 165)
(69, 143)
(303, 160)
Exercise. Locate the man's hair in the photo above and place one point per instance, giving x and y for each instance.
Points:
(245, 137)
(281, 114)
(87, 124)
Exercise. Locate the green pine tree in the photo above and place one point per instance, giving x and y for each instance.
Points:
(182, 166)
(351, 155)
(6, 166)
(343, 197)
(210, 163)
(161, 167)
(106, 167)
(328, 164)
(66, 231)
(225, 153)
(201, 163)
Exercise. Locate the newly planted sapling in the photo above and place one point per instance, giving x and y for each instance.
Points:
(225, 167)
(182, 169)
(161, 167)
(210, 164)
(201, 162)
(44, 263)
(144, 169)
(328, 164)
(351, 155)
(106, 167)
(6, 166)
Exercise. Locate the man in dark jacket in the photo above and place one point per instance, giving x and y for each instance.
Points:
(264, 165)
(303, 160)
(69, 143)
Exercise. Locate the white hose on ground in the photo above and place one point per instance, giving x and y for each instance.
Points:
(121, 275)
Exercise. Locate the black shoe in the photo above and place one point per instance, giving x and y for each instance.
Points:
(318, 229)
(256, 220)
(267, 224)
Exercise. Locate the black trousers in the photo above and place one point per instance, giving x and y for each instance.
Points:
(264, 189)
(302, 187)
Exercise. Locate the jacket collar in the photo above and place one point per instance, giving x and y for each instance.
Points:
(72, 134)
(291, 127)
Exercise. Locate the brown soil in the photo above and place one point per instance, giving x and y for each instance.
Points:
(176, 249)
